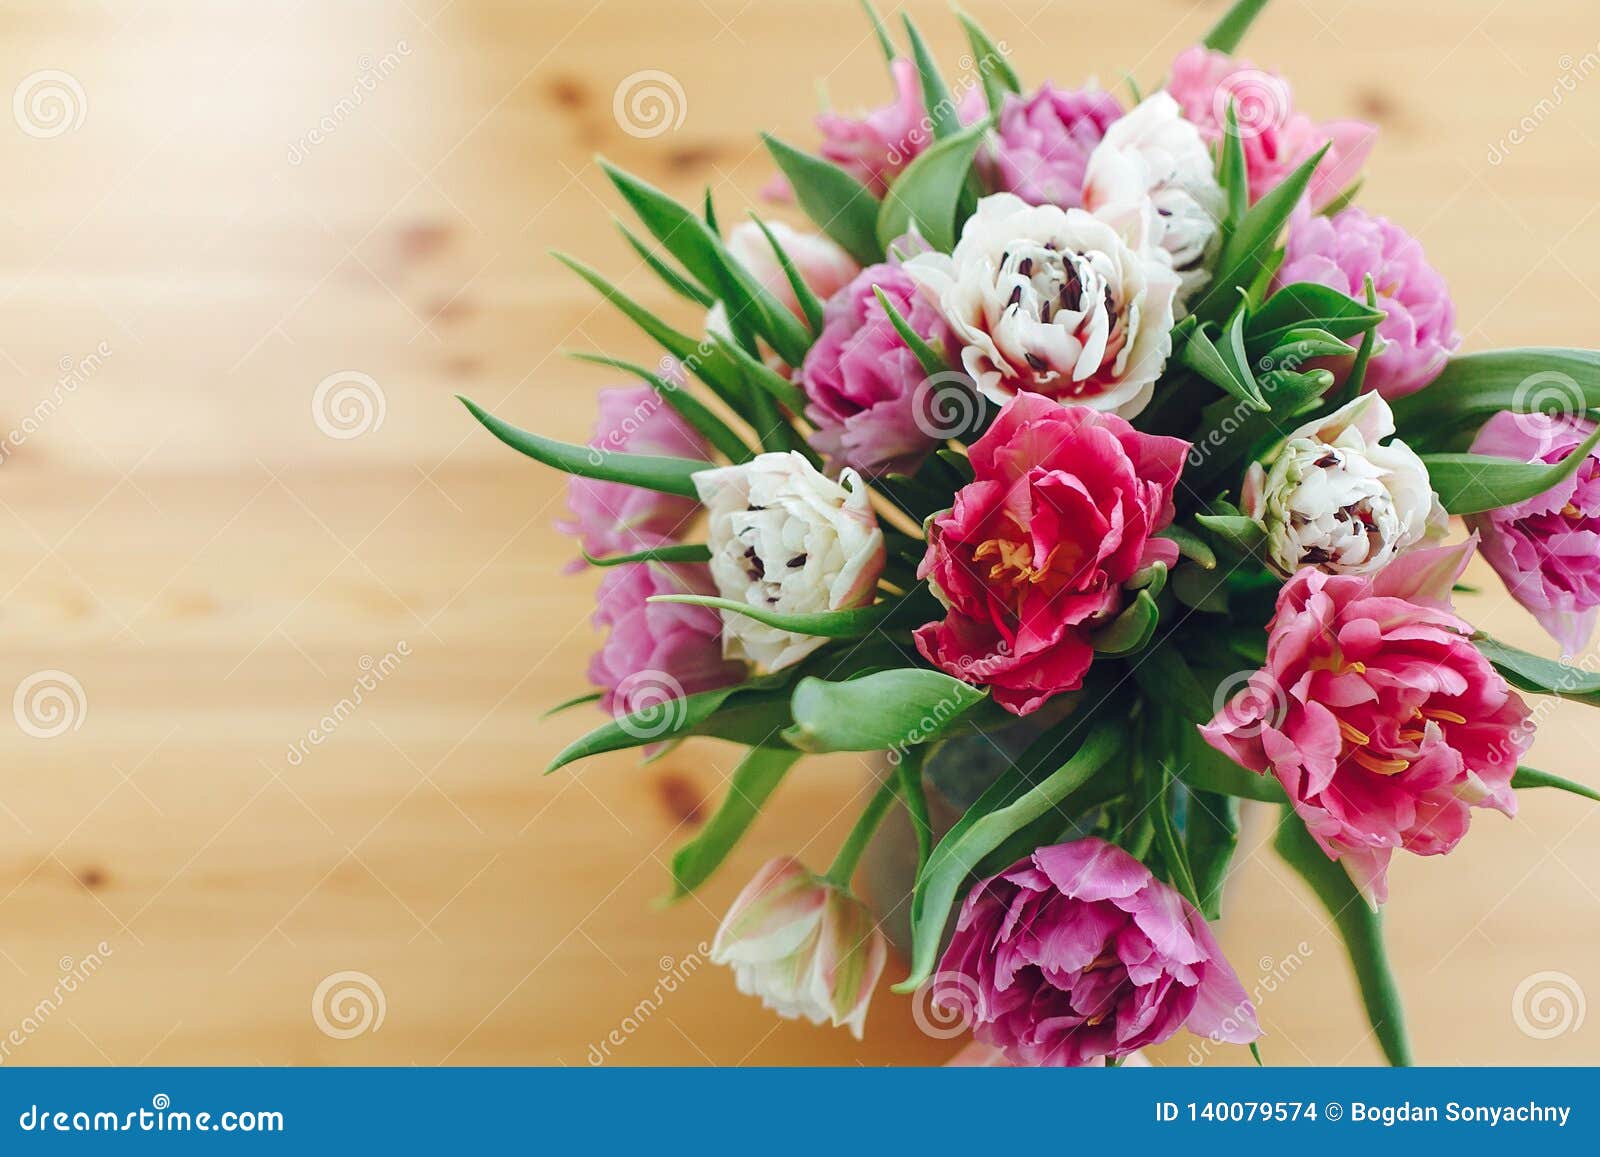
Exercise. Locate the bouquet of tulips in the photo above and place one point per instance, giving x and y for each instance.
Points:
(1100, 443)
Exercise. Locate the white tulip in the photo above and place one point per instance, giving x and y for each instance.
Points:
(1058, 302)
(784, 537)
(1335, 498)
(1153, 154)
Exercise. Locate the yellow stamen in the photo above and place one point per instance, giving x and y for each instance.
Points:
(1359, 738)
(1442, 715)
(1378, 765)
(1571, 511)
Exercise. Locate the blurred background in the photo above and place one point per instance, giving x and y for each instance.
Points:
(249, 252)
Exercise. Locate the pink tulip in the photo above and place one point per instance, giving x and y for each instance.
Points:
(1381, 720)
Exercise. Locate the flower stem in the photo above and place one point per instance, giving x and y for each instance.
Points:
(844, 864)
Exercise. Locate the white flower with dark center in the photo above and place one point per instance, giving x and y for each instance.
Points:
(1335, 498)
(1057, 302)
(784, 537)
(1153, 154)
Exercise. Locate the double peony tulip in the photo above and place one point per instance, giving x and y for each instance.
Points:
(1078, 953)
(1547, 548)
(1056, 302)
(804, 946)
(1381, 720)
(786, 538)
(1043, 142)
(1061, 511)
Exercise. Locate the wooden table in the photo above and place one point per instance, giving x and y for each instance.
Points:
(260, 199)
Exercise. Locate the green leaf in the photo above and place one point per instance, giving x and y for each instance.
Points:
(1471, 483)
(682, 552)
(664, 721)
(757, 373)
(1305, 304)
(702, 253)
(1200, 590)
(803, 293)
(1012, 802)
(1229, 31)
(1150, 580)
(1226, 437)
(879, 31)
(1191, 546)
(575, 701)
(837, 203)
(941, 107)
(710, 214)
(1471, 388)
(1132, 630)
(1344, 200)
(1232, 173)
(993, 68)
(1539, 676)
(908, 775)
(1202, 356)
(678, 282)
(928, 192)
(711, 427)
(883, 711)
(1158, 782)
(930, 359)
(1356, 380)
(667, 475)
(1242, 534)
(1533, 777)
(752, 782)
(849, 624)
(1361, 927)
(716, 372)
(1253, 244)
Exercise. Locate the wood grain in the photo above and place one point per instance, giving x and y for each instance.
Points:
(180, 537)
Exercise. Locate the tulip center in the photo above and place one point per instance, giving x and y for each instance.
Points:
(1014, 564)
(1044, 285)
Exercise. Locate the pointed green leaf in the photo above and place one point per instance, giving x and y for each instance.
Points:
(994, 69)
(667, 475)
(908, 775)
(879, 31)
(1229, 31)
(1251, 246)
(1540, 676)
(1532, 777)
(1012, 802)
(660, 722)
(676, 281)
(758, 373)
(1306, 304)
(711, 427)
(679, 552)
(714, 371)
(1232, 173)
(1361, 927)
(1191, 546)
(803, 293)
(837, 203)
(1471, 483)
(711, 213)
(575, 701)
(930, 359)
(752, 783)
(936, 99)
(929, 190)
(848, 624)
(1201, 355)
